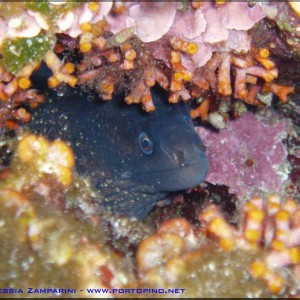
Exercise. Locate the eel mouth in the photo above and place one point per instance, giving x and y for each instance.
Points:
(177, 178)
(177, 168)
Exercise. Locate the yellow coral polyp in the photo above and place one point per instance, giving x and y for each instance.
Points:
(256, 215)
(72, 81)
(64, 154)
(93, 6)
(85, 47)
(264, 53)
(53, 82)
(219, 227)
(130, 54)
(24, 83)
(282, 215)
(226, 244)
(175, 57)
(276, 284)
(258, 269)
(162, 246)
(128, 65)
(277, 245)
(249, 206)
(280, 234)
(69, 68)
(183, 75)
(183, 46)
(272, 206)
(31, 146)
(252, 235)
(192, 48)
(86, 27)
(294, 254)
(267, 63)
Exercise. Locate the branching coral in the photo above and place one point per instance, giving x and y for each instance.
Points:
(183, 56)
(270, 225)
(253, 73)
(264, 246)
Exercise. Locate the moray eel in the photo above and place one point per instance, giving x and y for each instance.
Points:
(133, 158)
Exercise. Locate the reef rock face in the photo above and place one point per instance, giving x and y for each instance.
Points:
(247, 155)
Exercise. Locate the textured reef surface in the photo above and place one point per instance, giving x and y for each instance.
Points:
(236, 65)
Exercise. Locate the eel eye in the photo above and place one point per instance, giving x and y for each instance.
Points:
(145, 143)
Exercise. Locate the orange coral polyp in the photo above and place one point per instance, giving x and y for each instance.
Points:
(53, 82)
(176, 85)
(175, 58)
(130, 54)
(196, 4)
(227, 244)
(202, 110)
(276, 284)
(68, 68)
(147, 102)
(281, 91)
(23, 115)
(72, 81)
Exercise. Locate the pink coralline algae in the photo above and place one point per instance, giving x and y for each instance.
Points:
(248, 156)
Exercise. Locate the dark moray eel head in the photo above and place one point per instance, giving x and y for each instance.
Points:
(132, 157)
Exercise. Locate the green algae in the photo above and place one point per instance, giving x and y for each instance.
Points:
(21, 51)
(42, 7)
